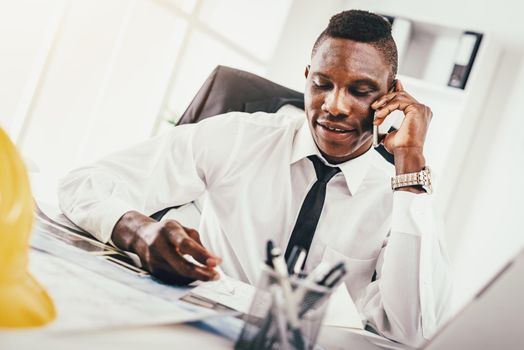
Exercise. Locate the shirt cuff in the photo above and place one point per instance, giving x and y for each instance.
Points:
(103, 218)
(410, 209)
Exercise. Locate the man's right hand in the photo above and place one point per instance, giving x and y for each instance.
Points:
(161, 247)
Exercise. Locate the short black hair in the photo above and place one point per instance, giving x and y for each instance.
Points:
(365, 27)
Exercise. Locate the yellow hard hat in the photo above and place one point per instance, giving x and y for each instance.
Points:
(23, 301)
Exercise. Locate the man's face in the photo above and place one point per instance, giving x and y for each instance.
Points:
(344, 79)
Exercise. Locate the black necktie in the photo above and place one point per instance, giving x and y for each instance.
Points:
(309, 214)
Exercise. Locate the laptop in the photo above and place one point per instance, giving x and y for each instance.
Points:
(494, 319)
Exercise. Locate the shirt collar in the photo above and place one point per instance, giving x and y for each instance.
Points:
(354, 170)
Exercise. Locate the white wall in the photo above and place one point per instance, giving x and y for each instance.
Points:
(307, 18)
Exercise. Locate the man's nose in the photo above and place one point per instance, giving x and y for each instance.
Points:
(336, 103)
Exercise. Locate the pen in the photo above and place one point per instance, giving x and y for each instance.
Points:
(330, 281)
(269, 258)
(280, 320)
(281, 270)
(262, 336)
(303, 294)
(313, 278)
(291, 310)
(335, 271)
(335, 278)
(296, 260)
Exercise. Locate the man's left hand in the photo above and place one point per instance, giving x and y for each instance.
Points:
(412, 132)
(406, 143)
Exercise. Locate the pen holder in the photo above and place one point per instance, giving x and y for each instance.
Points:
(278, 320)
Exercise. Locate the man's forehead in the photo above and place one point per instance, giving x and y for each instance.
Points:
(346, 56)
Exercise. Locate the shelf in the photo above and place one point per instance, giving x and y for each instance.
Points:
(429, 87)
(430, 52)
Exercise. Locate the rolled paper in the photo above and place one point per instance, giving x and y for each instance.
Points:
(23, 301)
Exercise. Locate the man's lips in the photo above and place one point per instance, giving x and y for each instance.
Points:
(333, 132)
(333, 127)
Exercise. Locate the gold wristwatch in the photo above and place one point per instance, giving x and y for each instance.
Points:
(421, 178)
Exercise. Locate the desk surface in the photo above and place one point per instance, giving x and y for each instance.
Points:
(198, 334)
(166, 337)
(159, 337)
(68, 301)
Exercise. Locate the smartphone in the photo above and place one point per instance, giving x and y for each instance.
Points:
(391, 123)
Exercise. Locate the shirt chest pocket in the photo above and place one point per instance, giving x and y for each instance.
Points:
(359, 271)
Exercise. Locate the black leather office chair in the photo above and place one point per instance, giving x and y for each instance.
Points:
(233, 90)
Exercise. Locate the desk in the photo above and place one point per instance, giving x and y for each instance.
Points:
(197, 335)
(157, 338)
(133, 337)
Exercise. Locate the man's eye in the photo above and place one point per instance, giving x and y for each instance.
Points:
(323, 86)
(361, 92)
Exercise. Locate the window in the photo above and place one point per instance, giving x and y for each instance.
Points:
(238, 33)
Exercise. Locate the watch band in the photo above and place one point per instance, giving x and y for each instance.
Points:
(421, 178)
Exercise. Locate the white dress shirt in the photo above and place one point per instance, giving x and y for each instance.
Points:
(254, 172)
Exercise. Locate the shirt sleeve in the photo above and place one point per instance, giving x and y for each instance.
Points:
(151, 176)
(411, 294)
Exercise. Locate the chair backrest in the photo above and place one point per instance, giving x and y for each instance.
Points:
(233, 90)
(228, 89)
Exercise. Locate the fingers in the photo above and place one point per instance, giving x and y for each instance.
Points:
(168, 262)
(191, 270)
(193, 234)
(388, 141)
(396, 103)
(164, 253)
(187, 241)
(412, 131)
(203, 255)
(398, 86)
(398, 93)
(168, 276)
(399, 100)
(382, 101)
(163, 270)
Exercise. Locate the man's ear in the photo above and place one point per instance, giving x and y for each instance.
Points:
(306, 72)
